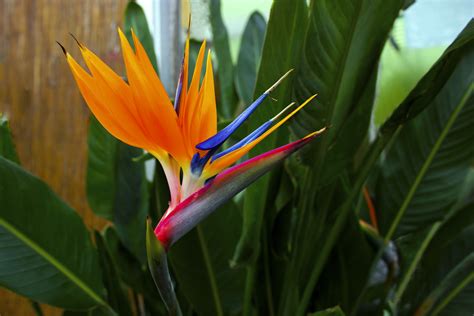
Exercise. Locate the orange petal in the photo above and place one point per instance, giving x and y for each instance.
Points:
(101, 106)
(208, 114)
(112, 86)
(159, 117)
(187, 110)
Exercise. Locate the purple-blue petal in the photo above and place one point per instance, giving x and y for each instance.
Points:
(219, 138)
(254, 135)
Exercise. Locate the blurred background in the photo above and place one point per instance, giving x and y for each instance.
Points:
(49, 119)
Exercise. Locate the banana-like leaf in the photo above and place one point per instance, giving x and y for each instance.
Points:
(427, 164)
(47, 254)
(116, 295)
(249, 57)
(342, 47)
(225, 67)
(134, 273)
(455, 281)
(287, 20)
(117, 188)
(444, 275)
(7, 147)
(339, 60)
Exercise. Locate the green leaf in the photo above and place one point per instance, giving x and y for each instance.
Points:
(454, 282)
(135, 20)
(7, 147)
(341, 51)
(133, 273)
(460, 220)
(429, 86)
(249, 57)
(287, 20)
(225, 68)
(413, 190)
(116, 295)
(400, 71)
(116, 186)
(200, 261)
(341, 154)
(344, 278)
(342, 46)
(46, 251)
(444, 277)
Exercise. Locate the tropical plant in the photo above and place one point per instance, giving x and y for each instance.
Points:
(351, 224)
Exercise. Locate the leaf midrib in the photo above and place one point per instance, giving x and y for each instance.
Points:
(426, 164)
(338, 82)
(53, 261)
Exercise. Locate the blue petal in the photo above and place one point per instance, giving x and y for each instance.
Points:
(224, 134)
(256, 133)
(198, 162)
(219, 138)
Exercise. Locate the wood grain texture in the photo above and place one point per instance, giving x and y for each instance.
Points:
(48, 116)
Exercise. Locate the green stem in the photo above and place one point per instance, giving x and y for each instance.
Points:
(453, 294)
(210, 272)
(268, 279)
(411, 268)
(249, 283)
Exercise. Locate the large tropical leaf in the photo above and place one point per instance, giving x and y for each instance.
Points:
(116, 295)
(249, 57)
(287, 20)
(47, 254)
(339, 60)
(135, 20)
(342, 46)
(225, 67)
(116, 186)
(200, 261)
(132, 272)
(444, 281)
(426, 167)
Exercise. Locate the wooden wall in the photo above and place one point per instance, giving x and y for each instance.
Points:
(48, 117)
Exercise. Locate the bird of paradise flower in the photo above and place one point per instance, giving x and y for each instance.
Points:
(183, 137)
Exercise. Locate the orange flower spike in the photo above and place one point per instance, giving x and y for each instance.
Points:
(159, 118)
(188, 111)
(182, 137)
(113, 87)
(100, 106)
(207, 114)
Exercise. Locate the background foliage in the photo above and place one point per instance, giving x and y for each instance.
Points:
(291, 244)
